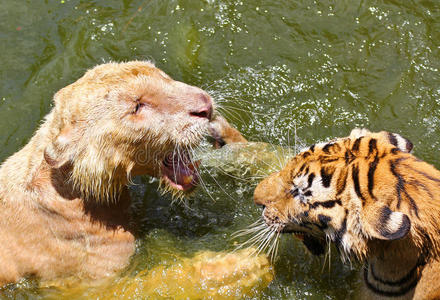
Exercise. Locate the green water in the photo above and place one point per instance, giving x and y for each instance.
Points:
(275, 66)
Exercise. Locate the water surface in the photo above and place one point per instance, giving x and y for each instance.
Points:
(274, 66)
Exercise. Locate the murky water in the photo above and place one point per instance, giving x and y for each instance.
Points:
(274, 66)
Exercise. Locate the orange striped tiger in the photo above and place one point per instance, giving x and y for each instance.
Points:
(374, 200)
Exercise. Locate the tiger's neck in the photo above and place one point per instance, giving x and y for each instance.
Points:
(394, 269)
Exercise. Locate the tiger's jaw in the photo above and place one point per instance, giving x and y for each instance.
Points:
(309, 233)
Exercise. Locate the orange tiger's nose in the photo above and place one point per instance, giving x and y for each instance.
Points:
(269, 190)
(259, 196)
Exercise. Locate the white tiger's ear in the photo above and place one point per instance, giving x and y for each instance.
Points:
(384, 224)
(60, 150)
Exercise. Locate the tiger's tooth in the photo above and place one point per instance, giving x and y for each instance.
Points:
(187, 179)
(299, 236)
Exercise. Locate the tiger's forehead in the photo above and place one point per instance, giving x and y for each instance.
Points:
(327, 151)
(341, 152)
(363, 146)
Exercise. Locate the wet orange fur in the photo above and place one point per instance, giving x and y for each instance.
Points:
(381, 206)
(64, 204)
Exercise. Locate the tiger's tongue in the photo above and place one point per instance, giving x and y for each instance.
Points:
(182, 176)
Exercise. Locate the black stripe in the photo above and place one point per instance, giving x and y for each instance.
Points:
(385, 214)
(395, 150)
(422, 186)
(310, 180)
(357, 187)
(342, 182)
(328, 160)
(327, 147)
(411, 274)
(372, 146)
(326, 204)
(400, 183)
(428, 242)
(400, 187)
(347, 157)
(356, 144)
(409, 146)
(326, 176)
(294, 192)
(312, 148)
(412, 202)
(392, 139)
(339, 234)
(397, 293)
(371, 170)
(424, 174)
(306, 154)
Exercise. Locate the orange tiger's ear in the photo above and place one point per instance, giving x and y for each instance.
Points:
(384, 224)
(394, 139)
(399, 141)
(359, 132)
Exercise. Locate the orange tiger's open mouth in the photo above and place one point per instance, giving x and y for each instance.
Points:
(180, 172)
(313, 243)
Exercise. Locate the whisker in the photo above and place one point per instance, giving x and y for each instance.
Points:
(233, 176)
(218, 184)
(201, 181)
(249, 111)
(296, 139)
(238, 100)
(329, 251)
(234, 116)
(264, 245)
(260, 236)
(277, 246)
(248, 231)
(274, 247)
(221, 167)
(174, 166)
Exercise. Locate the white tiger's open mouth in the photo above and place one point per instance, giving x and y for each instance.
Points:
(180, 172)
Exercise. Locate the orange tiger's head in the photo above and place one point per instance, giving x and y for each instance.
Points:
(354, 191)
